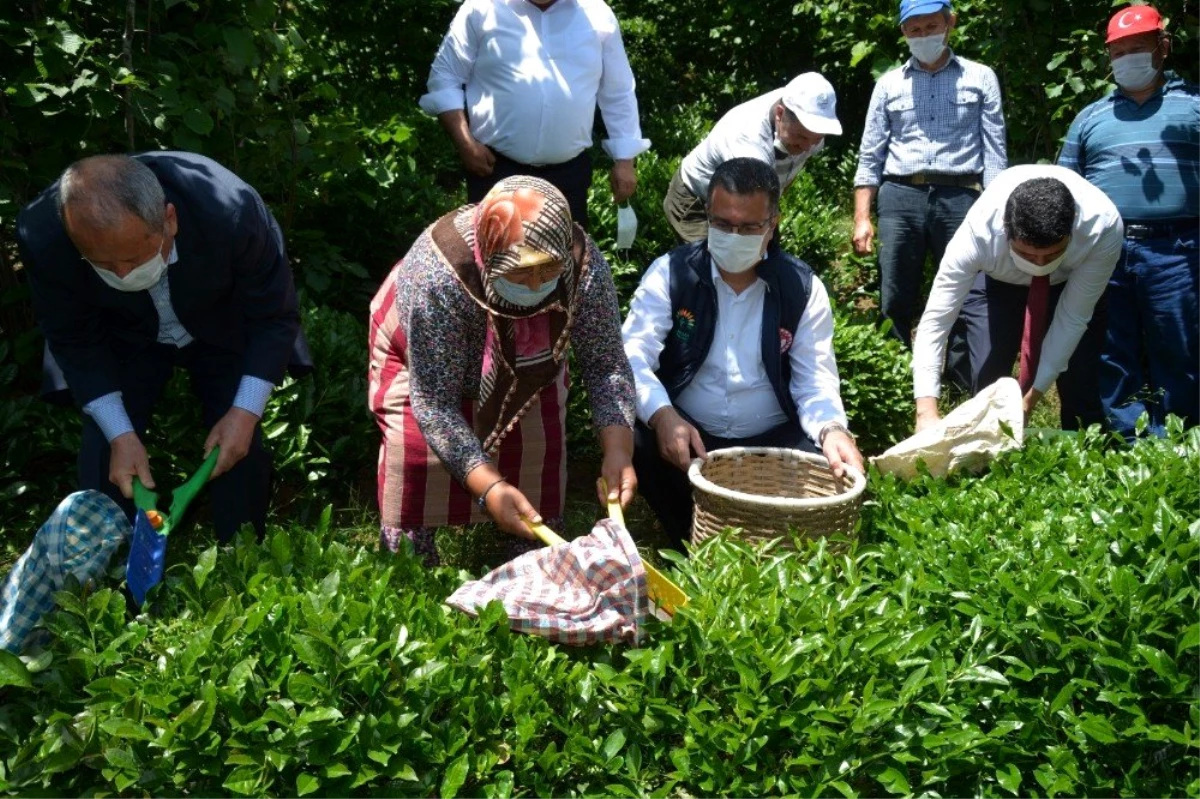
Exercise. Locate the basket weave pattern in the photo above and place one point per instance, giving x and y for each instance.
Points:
(765, 491)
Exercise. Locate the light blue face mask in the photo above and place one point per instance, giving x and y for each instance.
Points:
(521, 295)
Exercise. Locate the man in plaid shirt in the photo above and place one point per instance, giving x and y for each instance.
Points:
(933, 139)
(78, 539)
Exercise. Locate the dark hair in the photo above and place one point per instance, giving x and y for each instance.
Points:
(746, 176)
(1039, 212)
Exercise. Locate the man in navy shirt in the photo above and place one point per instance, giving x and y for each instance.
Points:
(1141, 146)
(141, 264)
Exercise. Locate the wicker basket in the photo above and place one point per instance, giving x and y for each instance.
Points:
(765, 491)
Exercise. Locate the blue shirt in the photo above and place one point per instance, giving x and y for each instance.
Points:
(1145, 158)
(950, 121)
(109, 410)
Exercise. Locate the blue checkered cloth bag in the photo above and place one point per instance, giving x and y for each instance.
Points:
(78, 539)
(587, 591)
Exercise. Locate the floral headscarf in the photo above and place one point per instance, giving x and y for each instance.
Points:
(521, 220)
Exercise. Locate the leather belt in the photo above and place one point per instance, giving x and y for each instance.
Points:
(1161, 230)
(939, 179)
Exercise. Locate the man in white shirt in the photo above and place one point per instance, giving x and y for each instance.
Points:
(1034, 225)
(516, 84)
(782, 128)
(731, 344)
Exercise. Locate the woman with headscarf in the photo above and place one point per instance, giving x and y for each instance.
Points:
(468, 368)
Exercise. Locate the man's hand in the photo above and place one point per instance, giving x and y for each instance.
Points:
(623, 179)
(127, 460)
(864, 236)
(233, 434)
(841, 451)
(508, 506)
(1029, 402)
(677, 439)
(478, 159)
(927, 413)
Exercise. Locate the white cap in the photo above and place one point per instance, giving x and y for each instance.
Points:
(811, 98)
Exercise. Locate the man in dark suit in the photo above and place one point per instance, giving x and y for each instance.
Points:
(141, 264)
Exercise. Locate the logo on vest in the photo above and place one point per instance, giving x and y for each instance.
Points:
(685, 324)
(785, 340)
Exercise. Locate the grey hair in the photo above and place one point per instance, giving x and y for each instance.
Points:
(102, 189)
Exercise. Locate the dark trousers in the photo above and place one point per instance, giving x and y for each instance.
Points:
(993, 318)
(573, 178)
(1150, 350)
(915, 223)
(667, 489)
(239, 495)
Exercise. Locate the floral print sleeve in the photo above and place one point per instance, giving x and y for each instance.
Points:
(596, 339)
(445, 335)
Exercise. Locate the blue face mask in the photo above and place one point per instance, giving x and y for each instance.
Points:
(521, 295)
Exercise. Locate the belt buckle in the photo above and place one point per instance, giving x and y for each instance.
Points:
(919, 179)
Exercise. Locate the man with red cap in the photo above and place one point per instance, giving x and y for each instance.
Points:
(1141, 146)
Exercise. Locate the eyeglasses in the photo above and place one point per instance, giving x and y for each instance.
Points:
(744, 229)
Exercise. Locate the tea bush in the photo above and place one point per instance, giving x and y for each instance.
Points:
(982, 639)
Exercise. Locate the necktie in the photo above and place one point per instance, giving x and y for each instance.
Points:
(1037, 307)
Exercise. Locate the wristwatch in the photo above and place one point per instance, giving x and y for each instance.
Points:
(829, 428)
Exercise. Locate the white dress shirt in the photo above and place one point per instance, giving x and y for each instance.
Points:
(747, 130)
(981, 245)
(533, 79)
(731, 396)
(108, 410)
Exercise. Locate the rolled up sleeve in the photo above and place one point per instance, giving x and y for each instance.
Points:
(618, 101)
(453, 64)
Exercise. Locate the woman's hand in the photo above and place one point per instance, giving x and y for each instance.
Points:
(616, 470)
(509, 508)
(505, 503)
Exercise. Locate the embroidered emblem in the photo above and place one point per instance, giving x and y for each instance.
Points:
(785, 340)
(685, 323)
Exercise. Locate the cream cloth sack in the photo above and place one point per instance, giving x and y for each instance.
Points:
(969, 437)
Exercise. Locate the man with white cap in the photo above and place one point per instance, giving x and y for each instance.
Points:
(932, 140)
(1026, 268)
(1140, 145)
(782, 128)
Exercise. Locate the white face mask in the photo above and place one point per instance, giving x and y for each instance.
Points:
(139, 279)
(927, 49)
(521, 295)
(735, 253)
(626, 227)
(1135, 71)
(1030, 268)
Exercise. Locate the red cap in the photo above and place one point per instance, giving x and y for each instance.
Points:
(1132, 21)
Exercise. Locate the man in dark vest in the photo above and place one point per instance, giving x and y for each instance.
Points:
(141, 264)
(731, 345)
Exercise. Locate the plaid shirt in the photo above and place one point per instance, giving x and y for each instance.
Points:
(950, 122)
(78, 538)
(589, 590)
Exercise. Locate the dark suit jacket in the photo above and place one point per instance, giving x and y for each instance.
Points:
(231, 287)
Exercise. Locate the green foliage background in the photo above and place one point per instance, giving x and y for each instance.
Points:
(981, 640)
(314, 103)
